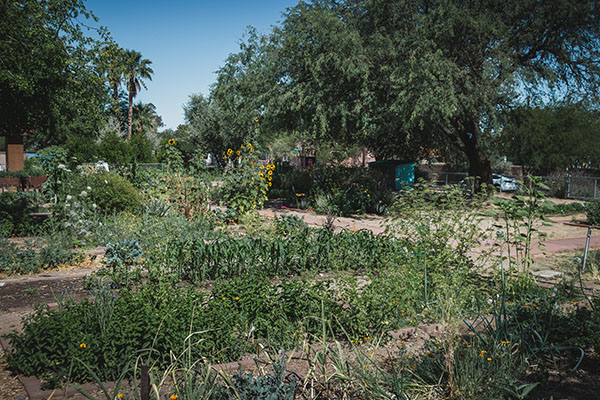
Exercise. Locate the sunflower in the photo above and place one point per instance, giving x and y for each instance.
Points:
(171, 142)
(229, 152)
(256, 119)
(269, 172)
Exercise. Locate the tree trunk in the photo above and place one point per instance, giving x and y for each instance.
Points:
(130, 115)
(116, 98)
(479, 164)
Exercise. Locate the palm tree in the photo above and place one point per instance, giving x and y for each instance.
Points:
(136, 69)
(113, 64)
(146, 118)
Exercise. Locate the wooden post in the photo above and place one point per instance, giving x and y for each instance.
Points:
(145, 383)
(14, 153)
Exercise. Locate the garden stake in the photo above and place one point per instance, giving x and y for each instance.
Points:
(145, 383)
(587, 247)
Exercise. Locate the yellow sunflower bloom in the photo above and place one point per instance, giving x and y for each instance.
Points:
(270, 173)
(262, 167)
(229, 152)
(171, 142)
(256, 119)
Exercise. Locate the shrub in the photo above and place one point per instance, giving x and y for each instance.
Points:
(14, 213)
(245, 182)
(113, 193)
(593, 213)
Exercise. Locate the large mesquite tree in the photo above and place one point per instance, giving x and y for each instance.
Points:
(398, 74)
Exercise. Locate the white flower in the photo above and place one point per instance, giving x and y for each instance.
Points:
(69, 197)
(83, 193)
(106, 182)
(89, 188)
(59, 182)
(94, 206)
(67, 205)
(62, 166)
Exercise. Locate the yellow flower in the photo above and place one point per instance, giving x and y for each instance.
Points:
(270, 173)
(83, 345)
(270, 179)
(237, 298)
(255, 119)
(261, 175)
(171, 142)
(173, 397)
(229, 152)
(223, 298)
(270, 184)
(249, 144)
(237, 153)
(262, 167)
(120, 395)
(489, 359)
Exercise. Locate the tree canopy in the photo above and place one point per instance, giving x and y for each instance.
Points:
(400, 75)
(49, 81)
(560, 137)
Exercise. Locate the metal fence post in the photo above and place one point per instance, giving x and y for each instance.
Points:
(595, 189)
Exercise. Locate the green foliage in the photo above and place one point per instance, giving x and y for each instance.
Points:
(34, 257)
(271, 386)
(197, 259)
(113, 193)
(373, 73)
(120, 258)
(518, 223)
(245, 181)
(561, 137)
(149, 318)
(83, 148)
(334, 189)
(593, 213)
(49, 77)
(14, 213)
(115, 150)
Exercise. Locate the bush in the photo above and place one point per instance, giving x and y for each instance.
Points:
(113, 193)
(593, 213)
(14, 213)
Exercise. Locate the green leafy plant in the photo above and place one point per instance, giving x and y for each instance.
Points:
(113, 193)
(593, 213)
(245, 181)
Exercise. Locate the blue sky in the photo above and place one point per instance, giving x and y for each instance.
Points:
(186, 40)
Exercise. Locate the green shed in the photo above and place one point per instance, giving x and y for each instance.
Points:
(396, 173)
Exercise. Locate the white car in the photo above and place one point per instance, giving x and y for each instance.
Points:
(505, 183)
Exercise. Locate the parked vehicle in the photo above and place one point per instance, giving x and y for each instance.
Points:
(505, 183)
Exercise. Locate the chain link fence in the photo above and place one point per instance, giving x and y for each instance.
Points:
(562, 186)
